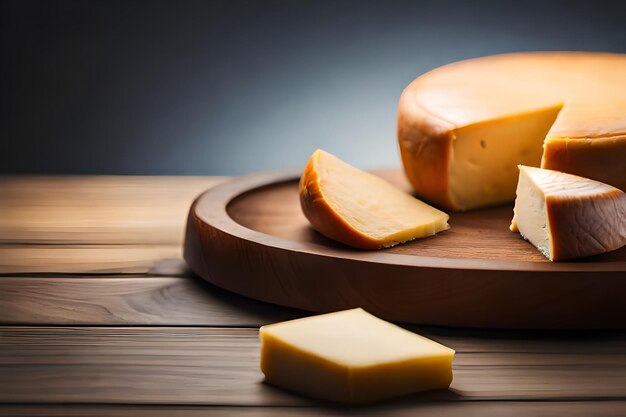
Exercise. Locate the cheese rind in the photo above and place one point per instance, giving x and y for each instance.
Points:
(566, 216)
(601, 158)
(352, 357)
(360, 209)
(588, 135)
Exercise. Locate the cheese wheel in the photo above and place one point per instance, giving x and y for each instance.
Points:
(463, 128)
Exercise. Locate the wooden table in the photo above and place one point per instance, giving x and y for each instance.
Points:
(99, 315)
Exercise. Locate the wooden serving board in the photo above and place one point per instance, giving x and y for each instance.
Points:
(249, 236)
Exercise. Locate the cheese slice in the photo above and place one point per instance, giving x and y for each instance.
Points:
(352, 357)
(566, 216)
(463, 128)
(360, 209)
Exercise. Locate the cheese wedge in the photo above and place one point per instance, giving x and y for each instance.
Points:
(352, 357)
(463, 128)
(361, 209)
(566, 216)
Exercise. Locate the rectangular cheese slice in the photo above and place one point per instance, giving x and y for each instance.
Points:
(352, 357)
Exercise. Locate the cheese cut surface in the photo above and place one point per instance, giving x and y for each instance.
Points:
(361, 209)
(572, 103)
(352, 357)
(566, 216)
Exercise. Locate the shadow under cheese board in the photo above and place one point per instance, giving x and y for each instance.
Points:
(249, 236)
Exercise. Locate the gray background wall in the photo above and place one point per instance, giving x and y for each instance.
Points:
(228, 87)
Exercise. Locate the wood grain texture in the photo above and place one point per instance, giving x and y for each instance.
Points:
(84, 259)
(439, 409)
(130, 301)
(249, 236)
(98, 209)
(221, 367)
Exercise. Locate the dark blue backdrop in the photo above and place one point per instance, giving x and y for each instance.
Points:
(228, 87)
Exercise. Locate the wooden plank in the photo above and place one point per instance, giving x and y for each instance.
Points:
(393, 409)
(130, 301)
(561, 359)
(130, 365)
(511, 341)
(220, 366)
(188, 300)
(85, 259)
(97, 209)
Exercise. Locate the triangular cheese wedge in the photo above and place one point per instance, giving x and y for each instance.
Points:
(566, 216)
(361, 209)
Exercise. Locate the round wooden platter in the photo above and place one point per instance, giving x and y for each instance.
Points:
(249, 236)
